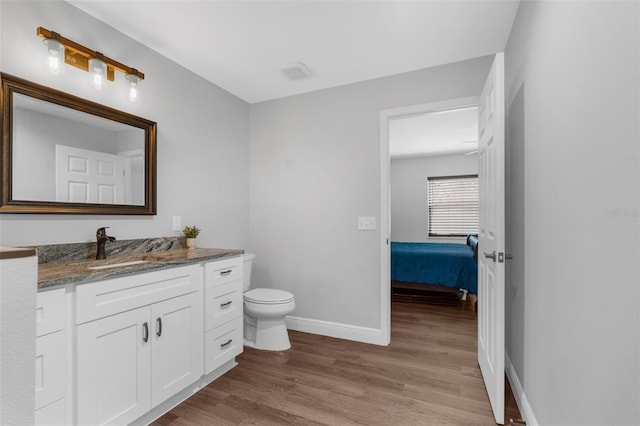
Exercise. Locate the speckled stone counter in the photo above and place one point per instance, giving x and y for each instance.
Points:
(69, 263)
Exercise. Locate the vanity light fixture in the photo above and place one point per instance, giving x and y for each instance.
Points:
(98, 71)
(133, 86)
(102, 68)
(56, 55)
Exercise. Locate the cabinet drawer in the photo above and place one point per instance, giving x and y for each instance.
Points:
(223, 271)
(50, 368)
(222, 344)
(109, 297)
(52, 414)
(222, 304)
(50, 311)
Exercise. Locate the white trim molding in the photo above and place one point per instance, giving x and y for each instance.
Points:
(518, 393)
(338, 330)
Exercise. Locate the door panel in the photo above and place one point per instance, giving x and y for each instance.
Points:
(491, 271)
(177, 345)
(114, 369)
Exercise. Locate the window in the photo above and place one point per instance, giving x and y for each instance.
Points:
(452, 206)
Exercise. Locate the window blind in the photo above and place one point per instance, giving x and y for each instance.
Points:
(452, 206)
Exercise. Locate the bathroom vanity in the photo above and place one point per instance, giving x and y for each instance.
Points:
(123, 340)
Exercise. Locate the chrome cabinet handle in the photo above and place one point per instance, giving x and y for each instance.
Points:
(491, 256)
(159, 327)
(225, 304)
(228, 342)
(227, 272)
(145, 334)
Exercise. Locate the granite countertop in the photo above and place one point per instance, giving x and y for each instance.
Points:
(75, 270)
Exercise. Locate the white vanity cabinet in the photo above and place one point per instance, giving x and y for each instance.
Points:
(50, 363)
(223, 312)
(139, 342)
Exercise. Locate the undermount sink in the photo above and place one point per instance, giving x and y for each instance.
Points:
(118, 265)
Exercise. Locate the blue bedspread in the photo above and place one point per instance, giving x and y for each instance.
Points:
(450, 265)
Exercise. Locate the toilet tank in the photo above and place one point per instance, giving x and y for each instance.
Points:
(247, 261)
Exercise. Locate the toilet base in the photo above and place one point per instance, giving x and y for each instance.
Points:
(266, 334)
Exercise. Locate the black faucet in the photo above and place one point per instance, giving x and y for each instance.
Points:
(102, 237)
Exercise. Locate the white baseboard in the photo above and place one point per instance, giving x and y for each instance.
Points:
(518, 393)
(335, 329)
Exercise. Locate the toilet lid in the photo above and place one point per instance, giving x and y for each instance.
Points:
(267, 296)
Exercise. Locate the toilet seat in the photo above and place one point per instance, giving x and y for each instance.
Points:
(268, 296)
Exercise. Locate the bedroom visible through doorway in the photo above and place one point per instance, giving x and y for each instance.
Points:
(419, 142)
(434, 204)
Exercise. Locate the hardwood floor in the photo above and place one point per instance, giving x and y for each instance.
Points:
(428, 375)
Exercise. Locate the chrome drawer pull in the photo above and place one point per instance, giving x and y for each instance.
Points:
(227, 343)
(225, 304)
(227, 272)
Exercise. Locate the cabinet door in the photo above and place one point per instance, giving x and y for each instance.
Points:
(50, 368)
(177, 345)
(114, 368)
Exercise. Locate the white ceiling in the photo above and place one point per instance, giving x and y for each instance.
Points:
(436, 133)
(241, 46)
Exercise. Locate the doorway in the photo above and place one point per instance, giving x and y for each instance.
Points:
(386, 119)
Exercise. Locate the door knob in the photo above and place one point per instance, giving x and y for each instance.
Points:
(491, 256)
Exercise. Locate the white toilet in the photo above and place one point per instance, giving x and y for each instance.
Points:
(264, 312)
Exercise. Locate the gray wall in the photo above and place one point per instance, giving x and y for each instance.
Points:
(315, 167)
(573, 321)
(409, 218)
(203, 132)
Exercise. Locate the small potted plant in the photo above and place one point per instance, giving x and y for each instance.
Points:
(191, 232)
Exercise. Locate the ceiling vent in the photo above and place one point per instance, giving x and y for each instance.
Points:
(296, 71)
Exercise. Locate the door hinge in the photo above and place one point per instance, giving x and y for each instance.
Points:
(501, 257)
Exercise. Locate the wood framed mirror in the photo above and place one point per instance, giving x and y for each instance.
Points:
(64, 154)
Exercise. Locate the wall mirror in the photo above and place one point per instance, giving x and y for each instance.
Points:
(64, 154)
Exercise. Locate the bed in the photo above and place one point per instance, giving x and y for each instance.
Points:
(435, 266)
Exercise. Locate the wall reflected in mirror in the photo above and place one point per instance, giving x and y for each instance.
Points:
(76, 157)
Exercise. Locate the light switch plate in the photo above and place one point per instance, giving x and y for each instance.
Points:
(176, 224)
(366, 223)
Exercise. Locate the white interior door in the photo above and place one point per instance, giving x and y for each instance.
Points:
(85, 176)
(491, 271)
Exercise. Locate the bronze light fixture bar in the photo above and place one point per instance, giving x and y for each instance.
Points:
(78, 56)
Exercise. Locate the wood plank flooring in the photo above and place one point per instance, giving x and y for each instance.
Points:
(428, 375)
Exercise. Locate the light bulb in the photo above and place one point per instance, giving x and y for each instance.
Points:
(98, 70)
(133, 87)
(56, 55)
